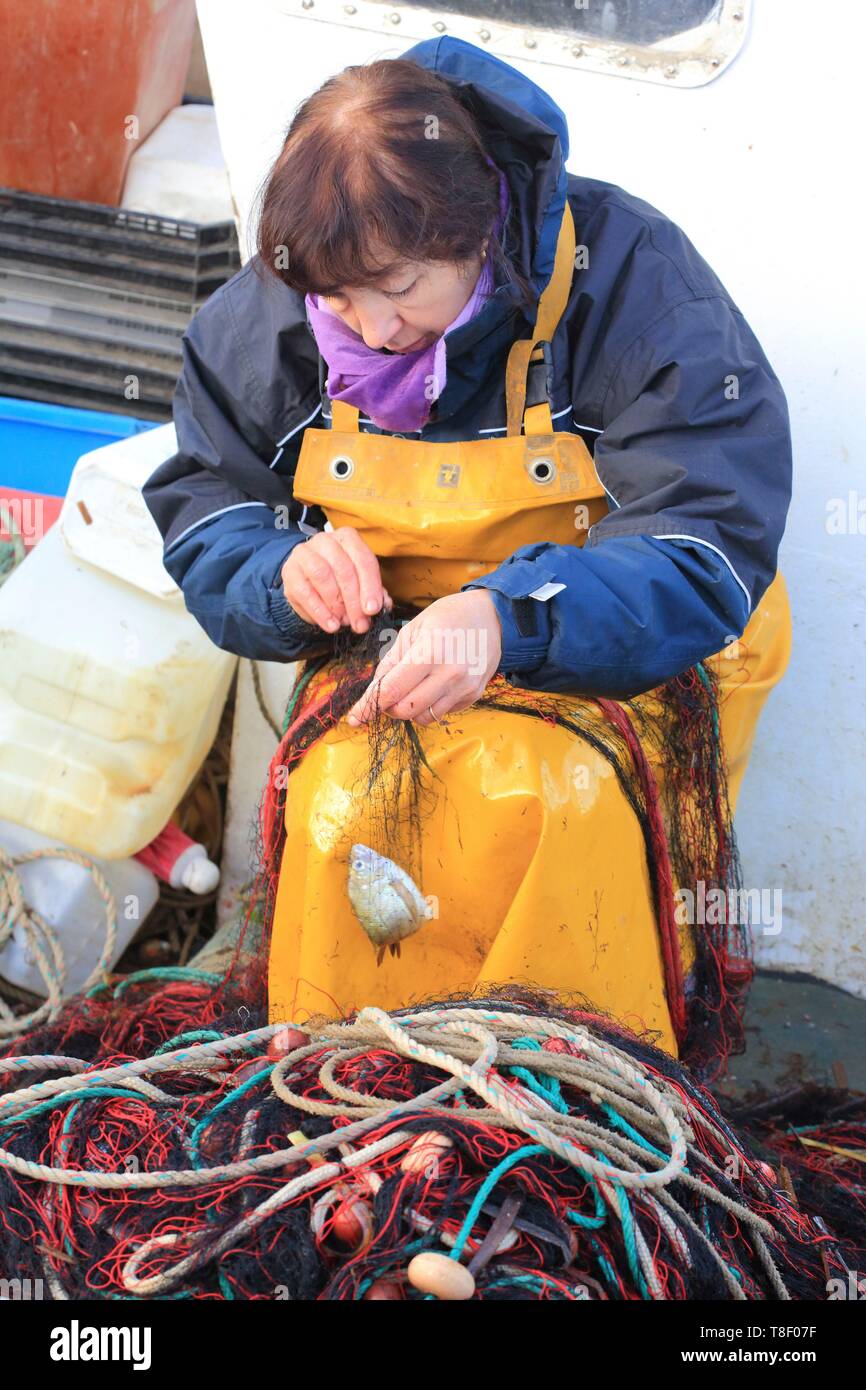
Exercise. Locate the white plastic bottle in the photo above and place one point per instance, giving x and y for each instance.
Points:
(64, 894)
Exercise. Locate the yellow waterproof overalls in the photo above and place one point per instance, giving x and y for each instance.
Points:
(531, 852)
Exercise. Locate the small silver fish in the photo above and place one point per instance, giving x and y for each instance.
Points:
(385, 900)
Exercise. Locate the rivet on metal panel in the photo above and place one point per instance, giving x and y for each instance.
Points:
(530, 42)
(394, 18)
(439, 26)
(577, 51)
(671, 71)
(484, 35)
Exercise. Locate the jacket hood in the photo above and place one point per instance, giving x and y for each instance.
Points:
(526, 135)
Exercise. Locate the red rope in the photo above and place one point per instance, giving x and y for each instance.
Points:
(664, 883)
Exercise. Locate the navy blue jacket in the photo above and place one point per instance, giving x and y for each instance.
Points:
(652, 364)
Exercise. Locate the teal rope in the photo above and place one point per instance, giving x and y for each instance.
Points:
(63, 1098)
(591, 1223)
(606, 1268)
(484, 1191)
(625, 1128)
(211, 1215)
(199, 1035)
(251, 1081)
(708, 685)
(300, 685)
(65, 1128)
(167, 972)
(161, 972)
(537, 1282)
(545, 1087)
(627, 1223)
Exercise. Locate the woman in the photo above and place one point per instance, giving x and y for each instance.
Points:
(519, 360)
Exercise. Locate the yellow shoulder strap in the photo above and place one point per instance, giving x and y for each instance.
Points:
(551, 307)
(344, 417)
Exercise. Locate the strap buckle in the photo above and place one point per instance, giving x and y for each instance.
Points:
(539, 376)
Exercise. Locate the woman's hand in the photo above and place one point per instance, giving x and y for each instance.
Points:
(334, 578)
(442, 659)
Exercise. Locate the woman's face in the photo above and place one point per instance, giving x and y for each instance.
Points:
(409, 309)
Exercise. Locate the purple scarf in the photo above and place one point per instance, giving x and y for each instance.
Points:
(395, 390)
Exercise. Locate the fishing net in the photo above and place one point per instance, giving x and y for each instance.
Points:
(505, 1147)
(159, 1140)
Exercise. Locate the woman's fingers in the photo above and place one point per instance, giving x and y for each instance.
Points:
(367, 593)
(380, 691)
(346, 578)
(344, 571)
(437, 690)
(325, 609)
(334, 577)
(313, 574)
(413, 676)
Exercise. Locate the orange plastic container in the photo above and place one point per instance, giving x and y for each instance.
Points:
(73, 76)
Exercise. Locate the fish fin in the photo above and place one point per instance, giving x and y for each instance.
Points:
(380, 955)
(394, 948)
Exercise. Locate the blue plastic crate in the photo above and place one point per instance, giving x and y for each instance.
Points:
(40, 444)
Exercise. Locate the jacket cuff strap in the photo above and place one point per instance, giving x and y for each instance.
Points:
(525, 621)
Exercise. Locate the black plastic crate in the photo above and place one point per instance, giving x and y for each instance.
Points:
(186, 261)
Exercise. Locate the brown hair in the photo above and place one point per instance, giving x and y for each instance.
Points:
(387, 154)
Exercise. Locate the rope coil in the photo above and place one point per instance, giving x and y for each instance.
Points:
(42, 941)
(646, 1162)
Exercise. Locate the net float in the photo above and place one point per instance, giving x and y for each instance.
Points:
(340, 1215)
(251, 1068)
(388, 1289)
(425, 1154)
(285, 1041)
(439, 1275)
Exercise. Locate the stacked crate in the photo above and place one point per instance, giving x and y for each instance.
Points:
(94, 300)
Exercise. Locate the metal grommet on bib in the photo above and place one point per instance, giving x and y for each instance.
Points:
(341, 467)
(542, 470)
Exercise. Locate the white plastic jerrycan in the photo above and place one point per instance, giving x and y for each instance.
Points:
(110, 692)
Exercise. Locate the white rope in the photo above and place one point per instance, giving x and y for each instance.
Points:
(499, 1095)
(42, 941)
(318, 1175)
(472, 1046)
